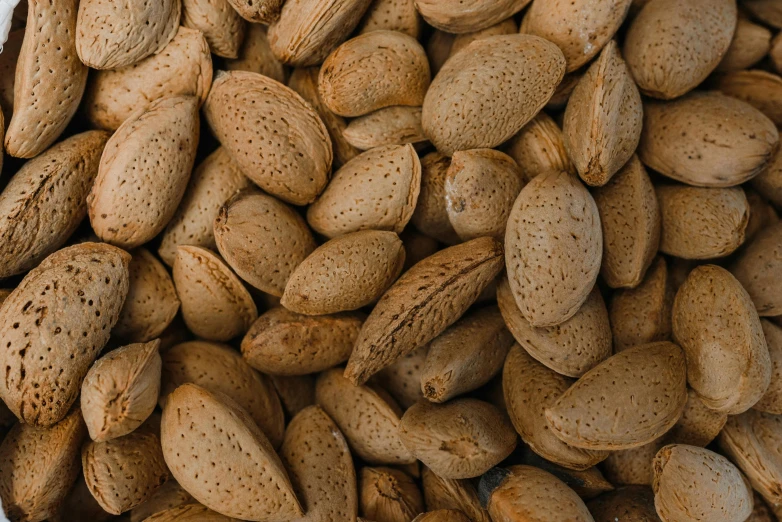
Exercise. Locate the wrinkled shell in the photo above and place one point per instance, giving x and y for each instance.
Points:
(751, 43)
(759, 268)
(402, 379)
(627, 504)
(698, 425)
(222, 26)
(771, 402)
(392, 15)
(395, 125)
(539, 147)
(441, 493)
(255, 55)
(431, 215)
(454, 16)
(389, 495)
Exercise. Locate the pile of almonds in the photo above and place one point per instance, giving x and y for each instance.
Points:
(391, 261)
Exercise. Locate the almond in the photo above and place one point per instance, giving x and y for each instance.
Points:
(769, 181)
(588, 483)
(762, 214)
(389, 495)
(457, 17)
(455, 494)
(46, 200)
(395, 125)
(539, 147)
(184, 68)
(373, 71)
(632, 466)
(463, 438)
(776, 53)
(507, 26)
(422, 303)
(442, 515)
(767, 11)
(144, 171)
(60, 315)
(167, 496)
(282, 342)
(222, 26)
(698, 425)
(417, 247)
(218, 368)
(758, 269)
(402, 379)
(189, 513)
(79, 504)
(553, 263)
(258, 11)
(488, 116)
(628, 504)
(673, 45)
(431, 214)
(761, 89)
(215, 303)
(751, 43)
(282, 144)
(296, 391)
(715, 323)
(49, 78)
(771, 401)
(8, 60)
(211, 467)
(392, 15)
(255, 55)
(438, 49)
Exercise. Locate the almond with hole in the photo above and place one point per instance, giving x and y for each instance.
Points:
(751, 43)
(698, 425)
(761, 89)
(759, 268)
(458, 494)
(771, 402)
(389, 495)
(397, 125)
(431, 215)
(255, 55)
(222, 26)
(392, 15)
(539, 147)
(454, 16)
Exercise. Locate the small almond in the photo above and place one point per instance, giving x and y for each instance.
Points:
(431, 214)
(761, 89)
(189, 513)
(759, 269)
(8, 60)
(762, 214)
(392, 15)
(769, 181)
(389, 495)
(462, 40)
(397, 125)
(454, 16)
(751, 43)
(458, 494)
(632, 466)
(776, 53)
(402, 379)
(587, 483)
(539, 147)
(627, 503)
(258, 11)
(767, 11)
(255, 55)
(771, 402)
(296, 392)
(222, 26)
(698, 425)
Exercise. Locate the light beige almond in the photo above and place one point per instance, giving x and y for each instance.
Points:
(255, 55)
(771, 402)
(395, 125)
(761, 89)
(698, 425)
(458, 494)
(758, 269)
(507, 26)
(392, 15)
(454, 16)
(431, 215)
(751, 43)
(389, 495)
(168, 496)
(402, 379)
(222, 26)
(539, 147)
(627, 503)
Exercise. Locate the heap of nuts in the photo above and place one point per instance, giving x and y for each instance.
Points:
(391, 261)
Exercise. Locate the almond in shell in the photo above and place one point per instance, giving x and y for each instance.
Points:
(771, 402)
(8, 60)
(395, 125)
(431, 215)
(507, 26)
(458, 494)
(751, 43)
(627, 503)
(296, 392)
(258, 11)
(392, 15)
(759, 268)
(761, 89)
(767, 11)
(389, 495)
(454, 16)
(222, 26)
(769, 181)
(776, 53)
(698, 425)
(632, 466)
(167, 496)
(255, 55)
(403, 378)
(539, 147)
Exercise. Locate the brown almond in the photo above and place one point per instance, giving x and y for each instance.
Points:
(553, 264)
(769, 181)
(79, 504)
(458, 494)
(296, 392)
(751, 43)
(627, 401)
(486, 117)
(389, 495)
(397, 125)
(368, 418)
(758, 269)
(771, 402)
(438, 49)
(215, 303)
(258, 11)
(392, 15)
(8, 60)
(776, 53)
(167, 496)
(632, 466)
(507, 26)
(463, 438)
(453, 16)
(717, 326)
(762, 214)
(539, 147)
(761, 512)
(588, 483)
(402, 379)
(283, 146)
(565, 88)
(442, 515)
(255, 55)
(431, 215)
(698, 425)
(767, 11)
(627, 503)
(60, 315)
(189, 513)
(417, 247)
(222, 26)
(761, 89)
(427, 299)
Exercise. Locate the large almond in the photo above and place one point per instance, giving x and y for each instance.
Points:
(539, 147)
(453, 16)
(222, 26)
(759, 270)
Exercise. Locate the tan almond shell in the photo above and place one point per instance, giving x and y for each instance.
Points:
(168, 496)
(465, 356)
(553, 264)
(627, 503)
(458, 494)
(402, 379)
(320, 465)
(673, 45)
(527, 493)
(49, 79)
(262, 239)
(627, 401)
(38, 466)
(630, 220)
(214, 181)
(210, 466)
(767, 11)
(389, 495)
(529, 389)
(769, 181)
(124, 472)
(222, 26)
(258, 11)
(368, 418)
(460, 439)
(296, 392)
(345, 273)
(481, 186)
(392, 15)
(308, 30)
(373, 71)
(488, 116)
(283, 147)
(698, 425)
(715, 323)
(571, 348)
(427, 299)
(761, 89)
(215, 304)
(762, 214)
(581, 28)
(771, 402)
(282, 342)
(375, 190)
(152, 302)
(759, 268)
(60, 315)
(46, 200)
(255, 55)
(507, 26)
(218, 368)
(396, 125)
(453, 16)
(751, 43)
(431, 215)
(701, 222)
(632, 466)
(442, 515)
(184, 67)
(688, 480)
(689, 140)
(189, 513)
(8, 60)
(144, 172)
(121, 390)
(539, 147)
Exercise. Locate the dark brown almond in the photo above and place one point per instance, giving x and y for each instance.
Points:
(769, 181)
(442, 515)
(628, 504)
(189, 513)
(762, 214)
(296, 391)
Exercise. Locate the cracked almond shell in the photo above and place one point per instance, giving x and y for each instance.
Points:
(759, 268)
(456, 17)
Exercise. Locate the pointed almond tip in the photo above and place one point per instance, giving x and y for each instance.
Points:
(355, 376)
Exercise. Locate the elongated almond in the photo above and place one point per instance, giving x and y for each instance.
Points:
(758, 269)
(751, 42)
(458, 494)
(255, 55)
(698, 425)
(389, 495)
(431, 214)
(395, 125)
(761, 89)
(539, 147)
(222, 26)
(392, 15)
(453, 16)
(771, 402)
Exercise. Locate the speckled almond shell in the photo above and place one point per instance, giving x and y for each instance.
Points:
(698, 425)
(454, 16)
(395, 125)
(60, 315)
(262, 239)
(46, 200)
(373, 71)
(255, 55)
(210, 467)
(389, 495)
(603, 118)
(751, 43)
(144, 171)
(282, 144)
(442, 515)
(539, 147)
(633, 466)
(430, 215)
(38, 466)
(553, 263)
(628, 400)
(189, 513)
(392, 15)
(258, 11)
(771, 402)
(460, 41)
(321, 468)
(121, 390)
(761, 89)
(759, 268)
(377, 190)
(688, 479)
(215, 304)
(441, 493)
(715, 323)
(427, 299)
(49, 78)
(402, 379)
(184, 67)
(219, 368)
(672, 46)
(222, 26)
(489, 115)
(115, 34)
(529, 388)
(461, 439)
(707, 139)
(627, 503)
(368, 417)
